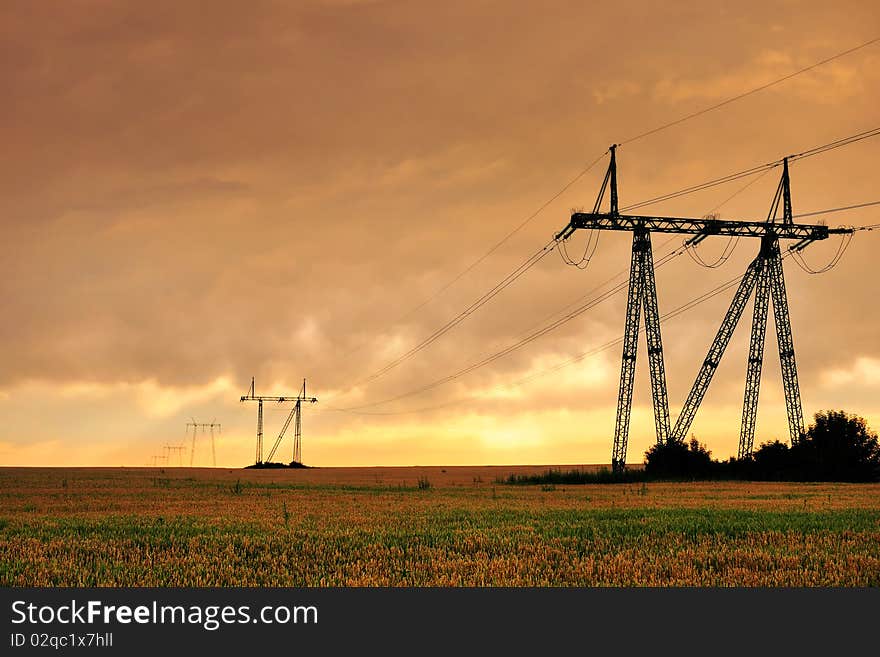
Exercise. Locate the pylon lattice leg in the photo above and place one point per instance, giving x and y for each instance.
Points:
(659, 396)
(297, 434)
(260, 431)
(628, 360)
(786, 346)
(756, 359)
(716, 351)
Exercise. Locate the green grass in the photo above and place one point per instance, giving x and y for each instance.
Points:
(486, 546)
(575, 477)
(115, 528)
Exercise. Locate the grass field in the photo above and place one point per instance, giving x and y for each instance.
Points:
(379, 526)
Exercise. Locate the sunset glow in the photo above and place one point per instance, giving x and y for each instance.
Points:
(184, 209)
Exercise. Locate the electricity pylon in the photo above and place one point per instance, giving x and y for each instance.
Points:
(764, 274)
(203, 426)
(175, 448)
(295, 415)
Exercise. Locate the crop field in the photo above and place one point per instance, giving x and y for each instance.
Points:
(425, 527)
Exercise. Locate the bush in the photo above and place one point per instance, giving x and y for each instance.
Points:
(838, 447)
(553, 477)
(678, 460)
(771, 460)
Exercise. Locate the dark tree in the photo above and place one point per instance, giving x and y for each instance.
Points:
(770, 461)
(678, 460)
(838, 447)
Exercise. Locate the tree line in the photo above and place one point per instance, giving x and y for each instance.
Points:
(837, 446)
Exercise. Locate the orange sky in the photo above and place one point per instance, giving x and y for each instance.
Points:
(193, 197)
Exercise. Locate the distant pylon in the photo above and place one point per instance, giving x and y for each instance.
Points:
(195, 428)
(295, 415)
(175, 448)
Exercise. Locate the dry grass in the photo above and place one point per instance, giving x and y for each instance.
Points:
(375, 526)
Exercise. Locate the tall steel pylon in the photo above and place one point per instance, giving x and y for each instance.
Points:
(642, 294)
(764, 274)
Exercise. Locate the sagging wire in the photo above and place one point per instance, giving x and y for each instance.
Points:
(732, 242)
(691, 249)
(589, 251)
(845, 240)
(795, 251)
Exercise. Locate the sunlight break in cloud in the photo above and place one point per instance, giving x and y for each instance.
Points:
(152, 398)
(864, 371)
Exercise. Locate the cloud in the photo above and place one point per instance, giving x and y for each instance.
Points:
(151, 399)
(834, 83)
(271, 192)
(864, 371)
(616, 90)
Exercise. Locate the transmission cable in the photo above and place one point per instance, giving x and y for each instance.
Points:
(592, 303)
(732, 242)
(357, 410)
(504, 239)
(530, 262)
(841, 209)
(537, 256)
(589, 251)
(798, 257)
(586, 354)
(516, 345)
(844, 141)
(629, 140)
(732, 99)
(598, 287)
(704, 185)
(762, 169)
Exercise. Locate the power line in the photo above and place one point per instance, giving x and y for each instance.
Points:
(530, 262)
(703, 185)
(732, 99)
(540, 254)
(845, 240)
(841, 209)
(844, 141)
(762, 169)
(587, 306)
(590, 292)
(589, 251)
(689, 305)
(495, 247)
(608, 345)
(738, 192)
(571, 361)
(584, 297)
(504, 239)
(518, 344)
(732, 242)
(586, 169)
